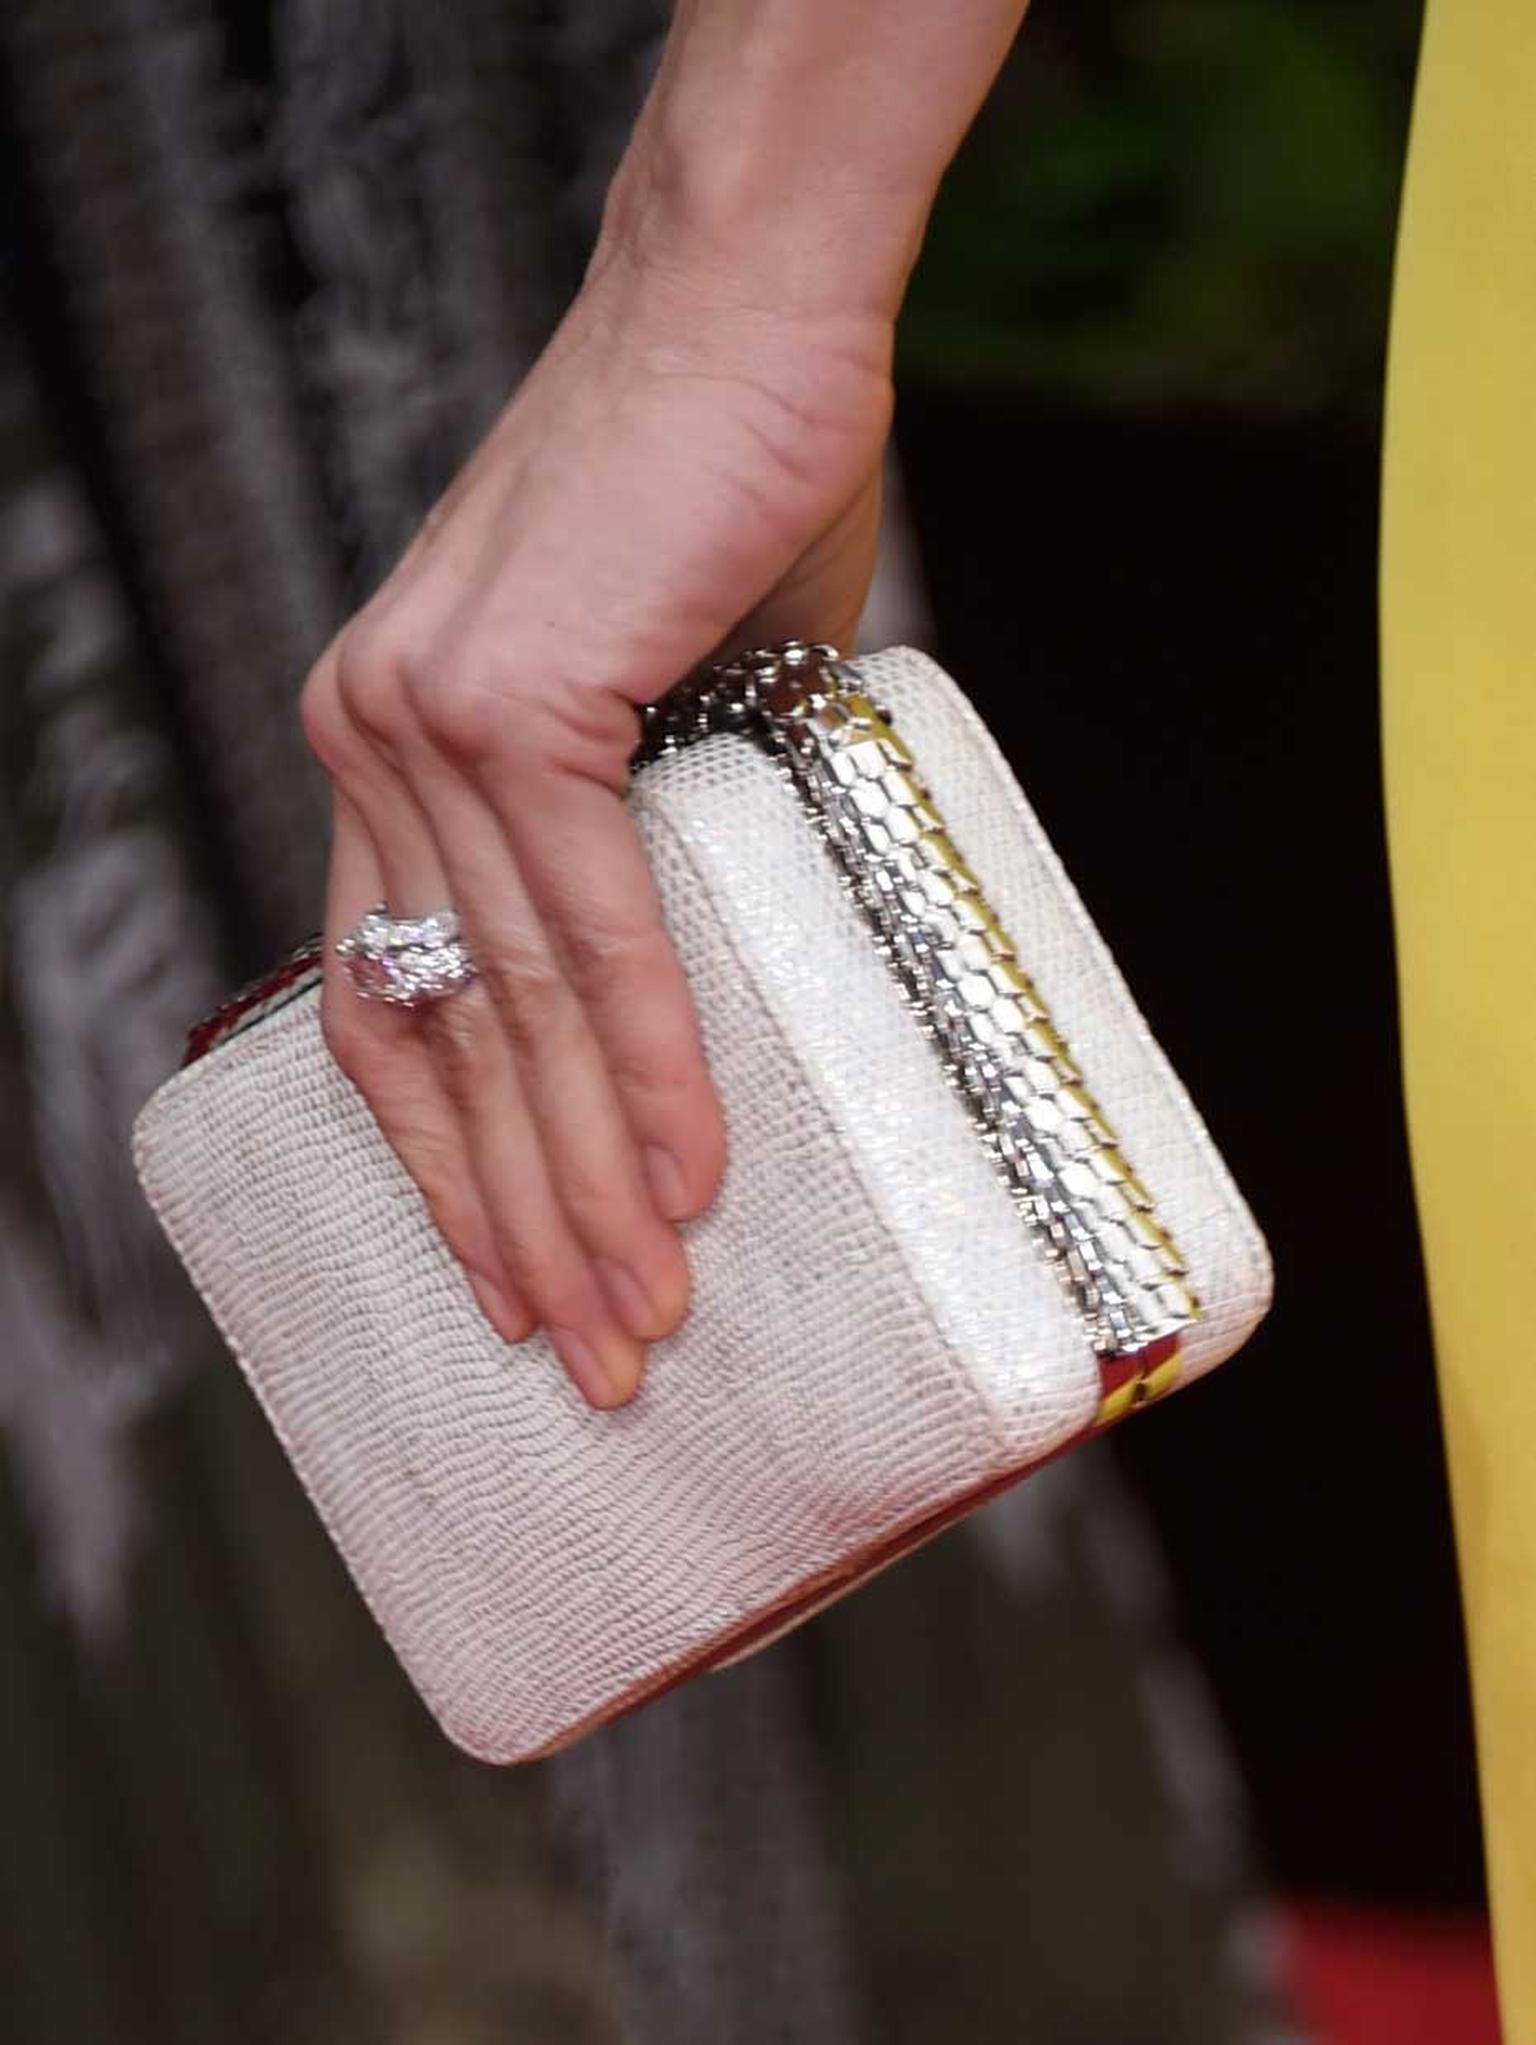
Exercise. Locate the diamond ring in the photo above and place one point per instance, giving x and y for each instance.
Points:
(407, 960)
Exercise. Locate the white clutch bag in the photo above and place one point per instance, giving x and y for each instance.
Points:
(970, 1217)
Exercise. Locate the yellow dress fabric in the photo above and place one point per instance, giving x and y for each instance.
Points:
(1459, 712)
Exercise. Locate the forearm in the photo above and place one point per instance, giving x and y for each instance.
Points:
(792, 148)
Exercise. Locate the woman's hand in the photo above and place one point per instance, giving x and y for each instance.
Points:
(694, 463)
(689, 466)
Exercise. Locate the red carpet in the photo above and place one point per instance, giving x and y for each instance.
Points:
(1364, 1976)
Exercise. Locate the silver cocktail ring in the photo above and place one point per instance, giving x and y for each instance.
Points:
(409, 960)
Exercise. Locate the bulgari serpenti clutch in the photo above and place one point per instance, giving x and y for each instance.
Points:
(970, 1218)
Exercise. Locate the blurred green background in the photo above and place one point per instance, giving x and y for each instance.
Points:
(1176, 203)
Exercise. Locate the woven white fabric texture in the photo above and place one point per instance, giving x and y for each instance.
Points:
(873, 1336)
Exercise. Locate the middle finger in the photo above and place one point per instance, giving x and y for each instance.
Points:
(591, 1162)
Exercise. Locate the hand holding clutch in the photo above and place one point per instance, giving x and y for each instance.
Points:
(969, 1217)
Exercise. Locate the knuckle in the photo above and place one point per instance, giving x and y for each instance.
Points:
(458, 1035)
(535, 1002)
(669, 1073)
(480, 706)
(555, 1298)
(577, 729)
(544, 1278)
(596, 1205)
(373, 680)
(467, 720)
(665, 1077)
(587, 728)
(323, 720)
(606, 952)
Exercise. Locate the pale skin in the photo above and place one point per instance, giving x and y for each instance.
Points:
(692, 466)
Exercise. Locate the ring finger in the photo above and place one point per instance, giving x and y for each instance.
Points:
(380, 1049)
(597, 1318)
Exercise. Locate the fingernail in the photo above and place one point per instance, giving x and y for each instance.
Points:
(665, 1175)
(629, 1300)
(600, 1383)
(511, 1320)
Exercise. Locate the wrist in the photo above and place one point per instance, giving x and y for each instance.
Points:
(745, 211)
(790, 150)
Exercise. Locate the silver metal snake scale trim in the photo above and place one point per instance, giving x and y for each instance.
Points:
(1091, 1216)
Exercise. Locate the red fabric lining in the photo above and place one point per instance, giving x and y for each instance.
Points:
(1364, 1975)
